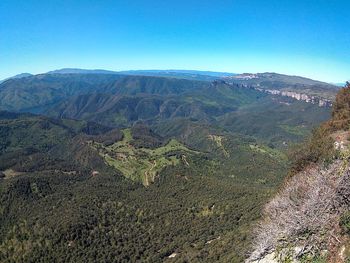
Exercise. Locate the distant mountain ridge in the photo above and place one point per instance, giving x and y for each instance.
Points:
(44, 90)
(18, 76)
(123, 100)
(142, 167)
(276, 83)
(185, 74)
(311, 210)
(291, 79)
(296, 87)
(81, 71)
(245, 78)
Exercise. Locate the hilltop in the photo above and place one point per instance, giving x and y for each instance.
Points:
(18, 76)
(279, 83)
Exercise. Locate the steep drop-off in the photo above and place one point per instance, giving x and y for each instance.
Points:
(308, 220)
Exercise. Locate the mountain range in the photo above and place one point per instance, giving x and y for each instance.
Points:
(272, 82)
(146, 166)
(18, 76)
(121, 100)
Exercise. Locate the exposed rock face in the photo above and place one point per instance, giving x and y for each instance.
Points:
(269, 258)
(299, 96)
(245, 76)
(273, 257)
(286, 86)
(322, 102)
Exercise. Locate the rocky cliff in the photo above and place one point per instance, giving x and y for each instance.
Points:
(322, 102)
(309, 219)
(299, 88)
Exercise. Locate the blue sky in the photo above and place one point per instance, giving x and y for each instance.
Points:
(300, 37)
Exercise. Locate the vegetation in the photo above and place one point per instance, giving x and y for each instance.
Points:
(320, 146)
(290, 83)
(142, 164)
(124, 100)
(345, 222)
(305, 214)
(201, 208)
(341, 109)
(41, 92)
(278, 123)
(153, 167)
(310, 215)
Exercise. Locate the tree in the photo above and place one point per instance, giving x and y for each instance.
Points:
(341, 109)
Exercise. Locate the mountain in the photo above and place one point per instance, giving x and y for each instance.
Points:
(202, 103)
(120, 101)
(280, 83)
(143, 168)
(19, 76)
(182, 74)
(308, 220)
(273, 120)
(128, 194)
(175, 71)
(340, 84)
(81, 71)
(39, 92)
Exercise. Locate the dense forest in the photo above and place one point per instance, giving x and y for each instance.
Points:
(139, 169)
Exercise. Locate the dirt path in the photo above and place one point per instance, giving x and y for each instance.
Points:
(148, 173)
(183, 157)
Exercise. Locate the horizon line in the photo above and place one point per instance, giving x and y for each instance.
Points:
(171, 69)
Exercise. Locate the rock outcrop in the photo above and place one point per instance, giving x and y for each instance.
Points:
(322, 102)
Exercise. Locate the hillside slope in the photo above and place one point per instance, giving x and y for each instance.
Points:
(181, 74)
(124, 108)
(308, 220)
(151, 167)
(201, 192)
(280, 82)
(39, 92)
(120, 101)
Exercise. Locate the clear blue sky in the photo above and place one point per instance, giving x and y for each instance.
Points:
(302, 37)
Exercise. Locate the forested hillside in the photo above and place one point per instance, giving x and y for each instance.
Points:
(200, 207)
(120, 101)
(280, 82)
(139, 168)
(38, 93)
(308, 220)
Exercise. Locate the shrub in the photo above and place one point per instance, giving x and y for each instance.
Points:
(345, 222)
(305, 213)
(319, 147)
(341, 109)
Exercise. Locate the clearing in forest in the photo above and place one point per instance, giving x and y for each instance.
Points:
(141, 164)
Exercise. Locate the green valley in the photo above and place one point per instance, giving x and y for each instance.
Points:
(139, 168)
(128, 194)
(174, 131)
(142, 164)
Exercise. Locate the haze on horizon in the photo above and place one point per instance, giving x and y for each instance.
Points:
(306, 38)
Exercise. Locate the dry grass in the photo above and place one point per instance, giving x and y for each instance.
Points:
(306, 212)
